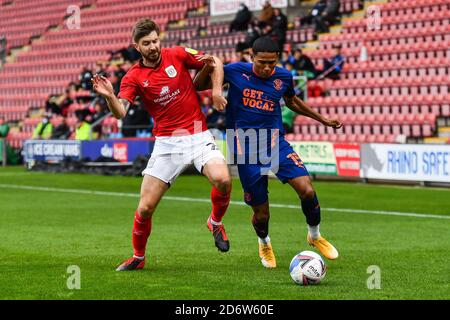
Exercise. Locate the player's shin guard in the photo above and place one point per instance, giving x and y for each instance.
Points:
(261, 227)
(220, 202)
(311, 209)
(141, 231)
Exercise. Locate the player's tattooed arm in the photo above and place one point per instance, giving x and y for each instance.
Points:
(126, 104)
(297, 105)
(103, 87)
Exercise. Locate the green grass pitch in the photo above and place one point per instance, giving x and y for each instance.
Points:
(43, 231)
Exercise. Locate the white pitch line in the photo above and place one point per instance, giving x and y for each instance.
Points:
(187, 199)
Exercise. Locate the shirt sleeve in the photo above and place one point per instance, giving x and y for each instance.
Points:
(290, 91)
(227, 71)
(188, 56)
(128, 89)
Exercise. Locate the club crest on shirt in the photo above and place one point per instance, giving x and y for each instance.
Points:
(278, 84)
(145, 83)
(171, 71)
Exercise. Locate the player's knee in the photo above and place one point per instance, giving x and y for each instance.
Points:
(308, 193)
(261, 214)
(223, 183)
(146, 209)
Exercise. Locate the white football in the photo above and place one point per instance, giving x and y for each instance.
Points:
(307, 267)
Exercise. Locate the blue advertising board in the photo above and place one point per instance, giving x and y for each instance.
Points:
(51, 150)
(122, 150)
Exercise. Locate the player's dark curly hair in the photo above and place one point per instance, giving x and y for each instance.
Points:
(143, 28)
(265, 44)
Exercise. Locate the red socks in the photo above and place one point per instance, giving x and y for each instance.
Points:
(141, 230)
(143, 226)
(220, 202)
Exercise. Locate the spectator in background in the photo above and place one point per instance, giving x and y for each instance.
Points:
(129, 54)
(279, 27)
(132, 55)
(206, 105)
(114, 81)
(216, 119)
(328, 16)
(304, 64)
(83, 128)
(267, 31)
(315, 12)
(74, 87)
(286, 57)
(59, 105)
(242, 19)
(65, 101)
(332, 68)
(244, 52)
(291, 69)
(97, 110)
(100, 68)
(266, 15)
(85, 79)
(253, 32)
(51, 105)
(136, 121)
(44, 129)
(4, 127)
(120, 72)
(62, 130)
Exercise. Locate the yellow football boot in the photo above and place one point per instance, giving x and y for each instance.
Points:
(267, 257)
(326, 248)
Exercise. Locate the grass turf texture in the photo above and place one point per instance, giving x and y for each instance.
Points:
(44, 232)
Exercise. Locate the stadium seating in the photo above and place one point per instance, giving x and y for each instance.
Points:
(397, 93)
(403, 86)
(57, 57)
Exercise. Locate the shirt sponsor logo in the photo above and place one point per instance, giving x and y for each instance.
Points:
(171, 71)
(164, 100)
(254, 99)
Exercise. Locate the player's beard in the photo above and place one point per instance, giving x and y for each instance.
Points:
(153, 57)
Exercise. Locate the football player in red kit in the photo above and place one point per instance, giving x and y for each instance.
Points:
(163, 82)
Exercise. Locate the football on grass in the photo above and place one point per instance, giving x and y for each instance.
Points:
(307, 267)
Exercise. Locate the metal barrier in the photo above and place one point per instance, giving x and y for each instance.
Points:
(3, 154)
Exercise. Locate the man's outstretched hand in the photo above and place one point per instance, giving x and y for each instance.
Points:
(102, 86)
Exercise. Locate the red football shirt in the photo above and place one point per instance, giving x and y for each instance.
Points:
(168, 92)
